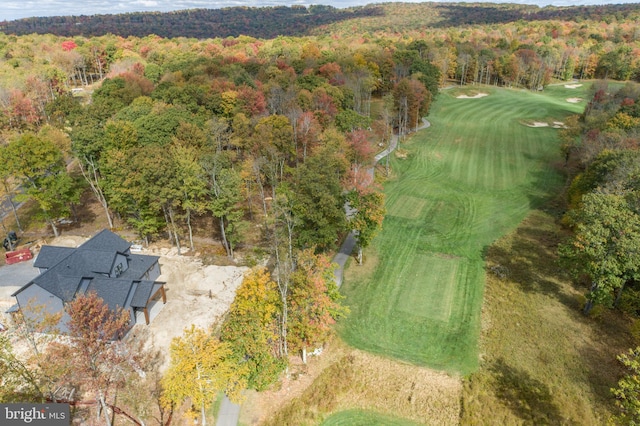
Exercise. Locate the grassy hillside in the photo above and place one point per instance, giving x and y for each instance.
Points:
(468, 180)
(543, 362)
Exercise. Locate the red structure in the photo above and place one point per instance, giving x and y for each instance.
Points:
(12, 257)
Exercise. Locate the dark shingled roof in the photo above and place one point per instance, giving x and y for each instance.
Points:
(98, 261)
(142, 294)
(114, 292)
(138, 265)
(106, 240)
(68, 287)
(94, 261)
(50, 256)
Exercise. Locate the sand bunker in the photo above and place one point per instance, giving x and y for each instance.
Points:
(574, 100)
(479, 95)
(538, 124)
(572, 86)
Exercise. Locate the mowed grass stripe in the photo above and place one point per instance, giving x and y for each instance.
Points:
(470, 178)
(364, 418)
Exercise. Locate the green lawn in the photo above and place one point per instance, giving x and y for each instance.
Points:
(364, 418)
(470, 178)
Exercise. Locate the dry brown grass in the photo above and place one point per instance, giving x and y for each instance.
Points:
(351, 379)
(543, 362)
(366, 270)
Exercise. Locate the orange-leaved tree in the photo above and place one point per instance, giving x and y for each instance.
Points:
(95, 356)
(314, 302)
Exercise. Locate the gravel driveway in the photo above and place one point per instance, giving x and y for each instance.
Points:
(12, 277)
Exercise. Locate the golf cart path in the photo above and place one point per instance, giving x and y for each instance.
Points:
(350, 242)
(229, 412)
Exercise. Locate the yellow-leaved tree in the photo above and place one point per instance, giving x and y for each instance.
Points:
(252, 329)
(200, 367)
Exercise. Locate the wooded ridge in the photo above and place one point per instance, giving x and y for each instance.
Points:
(268, 22)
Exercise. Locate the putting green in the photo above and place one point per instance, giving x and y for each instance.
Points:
(364, 418)
(468, 179)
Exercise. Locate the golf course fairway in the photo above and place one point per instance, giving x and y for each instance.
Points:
(489, 157)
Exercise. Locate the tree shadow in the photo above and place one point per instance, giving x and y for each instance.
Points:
(529, 259)
(602, 368)
(528, 398)
(82, 214)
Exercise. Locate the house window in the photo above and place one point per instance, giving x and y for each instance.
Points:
(119, 269)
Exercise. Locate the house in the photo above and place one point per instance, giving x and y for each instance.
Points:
(105, 265)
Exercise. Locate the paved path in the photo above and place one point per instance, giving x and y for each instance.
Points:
(229, 412)
(350, 242)
(341, 257)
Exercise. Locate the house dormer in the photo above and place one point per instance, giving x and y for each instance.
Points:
(120, 265)
(105, 265)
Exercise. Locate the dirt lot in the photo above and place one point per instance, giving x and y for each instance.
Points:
(196, 294)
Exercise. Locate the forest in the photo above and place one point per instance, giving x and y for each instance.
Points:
(263, 22)
(268, 22)
(257, 138)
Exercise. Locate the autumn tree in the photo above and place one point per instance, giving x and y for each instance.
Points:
(627, 393)
(39, 166)
(314, 302)
(366, 220)
(18, 381)
(96, 357)
(308, 130)
(89, 145)
(198, 370)
(383, 126)
(252, 331)
(225, 191)
(282, 225)
(605, 246)
(192, 183)
(411, 101)
(361, 156)
(319, 201)
(8, 186)
(37, 327)
(273, 140)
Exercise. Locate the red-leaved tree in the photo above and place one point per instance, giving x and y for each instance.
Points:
(68, 45)
(98, 361)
